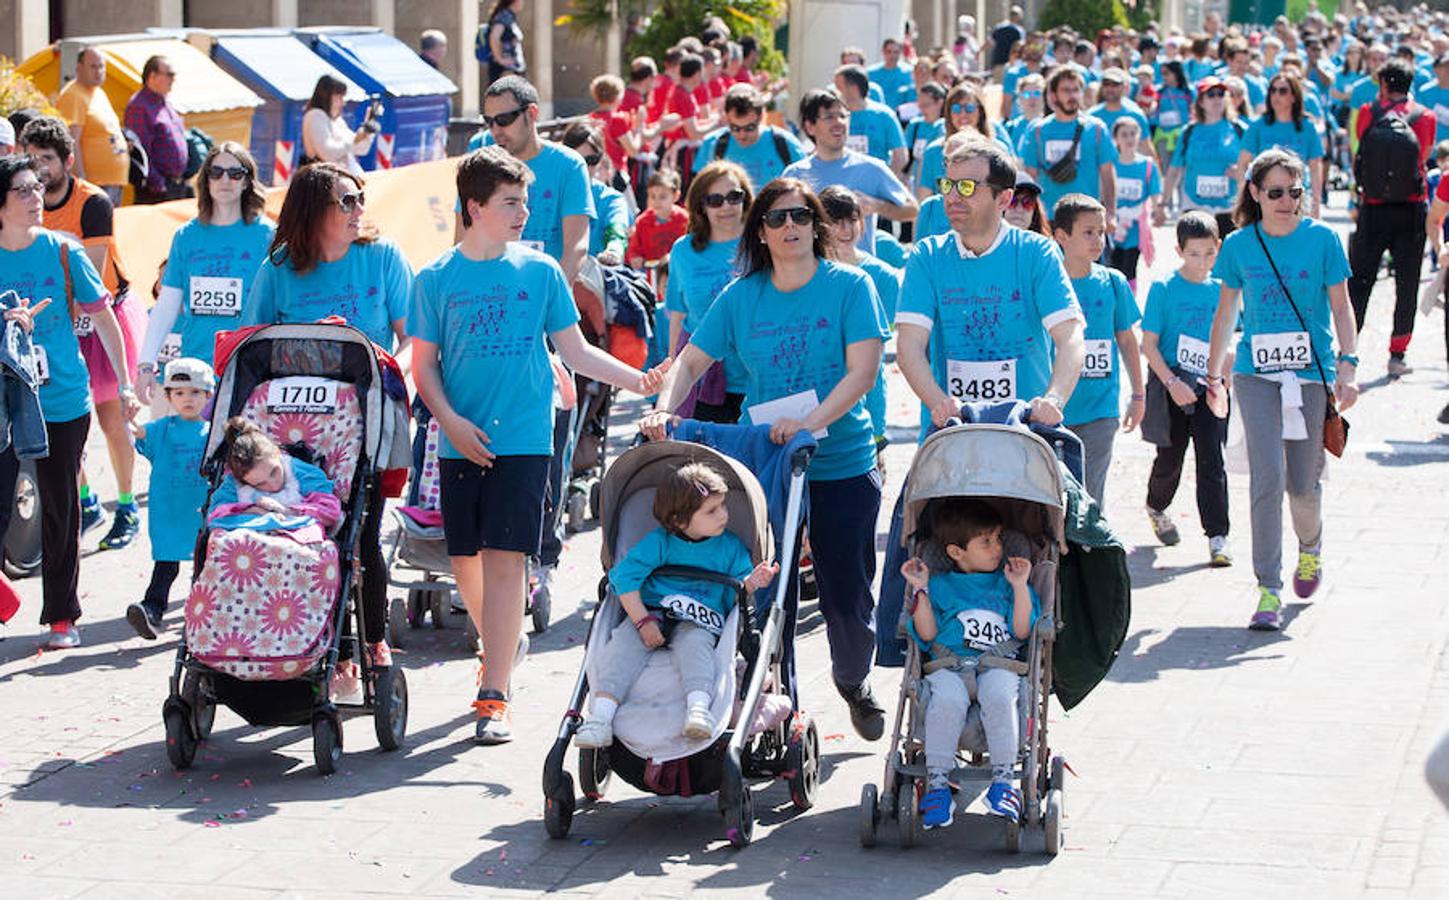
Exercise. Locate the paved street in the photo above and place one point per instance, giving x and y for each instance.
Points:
(1213, 761)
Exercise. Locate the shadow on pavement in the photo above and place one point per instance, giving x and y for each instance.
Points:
(1402, 454)
(94, 637)
(1142, 565)
(1199, 648)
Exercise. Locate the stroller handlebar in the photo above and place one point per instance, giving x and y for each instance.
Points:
(702, 575)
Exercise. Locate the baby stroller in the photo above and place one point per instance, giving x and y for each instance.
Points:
(1020, 475)
(267, 611)
(761, 731)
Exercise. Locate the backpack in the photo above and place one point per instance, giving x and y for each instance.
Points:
(1387, 167)
(481, 49)
(782, 147)
(198, 145)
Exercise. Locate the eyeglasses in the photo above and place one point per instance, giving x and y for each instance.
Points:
(1280, 89)
(966, 187)
(593, 159)
(34, 187)
(1023, 199)
(350, 203)
(958, 108)
(235, 173)
(800, 215)
(503, 120)
(744, 129)
(1031, 95)
(733, 198)
(1215, 94)
(1277, 193)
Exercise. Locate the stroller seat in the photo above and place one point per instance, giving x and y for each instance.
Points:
(330, 428)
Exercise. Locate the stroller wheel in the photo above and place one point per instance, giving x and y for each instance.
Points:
(869, 815)
(438, 603)
(908, 814)
(390, 712)
(203, 709)
(802, 760)
(398, 622)
(594, 501)
(180, 742)
(1058, 776)
(594, 773)
(326, 742)
(1053, 822)
(558, 807)
(740, 817)
(417, 603)
(541, 608)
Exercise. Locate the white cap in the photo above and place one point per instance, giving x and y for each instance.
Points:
(189, 372)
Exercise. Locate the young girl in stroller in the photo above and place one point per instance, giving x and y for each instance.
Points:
(978, 605)
(685, 614)
(267, 489)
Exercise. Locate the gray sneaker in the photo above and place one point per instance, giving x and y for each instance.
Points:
(1398, 368)
(62, 640)
(1163, 527)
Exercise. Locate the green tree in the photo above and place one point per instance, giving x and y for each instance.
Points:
(1086, 16)
(674, 19)
(18, 92)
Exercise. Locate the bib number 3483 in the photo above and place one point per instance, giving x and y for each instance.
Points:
(1282, 351)
(989, 380)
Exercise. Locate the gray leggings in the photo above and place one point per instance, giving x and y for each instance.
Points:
(625, 656)
(1097, 437)
(1276, 465)
(951, 695)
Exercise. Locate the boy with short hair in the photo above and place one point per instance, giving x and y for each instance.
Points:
(662, 222)
(1079, 225)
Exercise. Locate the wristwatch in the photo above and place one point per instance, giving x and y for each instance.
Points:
(1348, 358)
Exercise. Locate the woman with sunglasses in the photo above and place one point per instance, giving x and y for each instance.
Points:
(807, 331)
(1025, 210)
(1031, 98)
(213, 261)
(1285, 364)
(609, 230)
(30, 258)
(1205, 162)
(965, 111)
(1284, 125)
(325, 261)
(1174, 109)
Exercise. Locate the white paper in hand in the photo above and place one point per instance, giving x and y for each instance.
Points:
(795, 406)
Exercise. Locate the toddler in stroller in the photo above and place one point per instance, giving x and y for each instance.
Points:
(662, 607)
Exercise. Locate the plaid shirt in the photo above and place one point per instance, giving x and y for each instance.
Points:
(162, 134)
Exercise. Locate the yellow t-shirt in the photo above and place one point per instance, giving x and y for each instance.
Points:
(102, 145)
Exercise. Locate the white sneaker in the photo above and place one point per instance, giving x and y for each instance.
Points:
(594, 734)
(699, 723)
(1218, 554)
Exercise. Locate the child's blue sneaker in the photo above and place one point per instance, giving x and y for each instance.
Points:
(937, 808)
(1004, 800)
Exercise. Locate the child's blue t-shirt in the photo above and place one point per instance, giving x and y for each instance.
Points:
(887, 281)
(1311, 260)
(892, 252)
(369, 287)
(1107, 302)
(1181, 314)
(175, 448)
(213, 267)
(973, 611)
(611, 225)
(1137, 182)
(489, 319)
(724, 554)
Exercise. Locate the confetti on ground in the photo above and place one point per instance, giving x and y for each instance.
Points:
(244, 783)
(211, 823)
(835, 737)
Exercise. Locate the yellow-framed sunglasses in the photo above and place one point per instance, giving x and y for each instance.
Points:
(966, 187)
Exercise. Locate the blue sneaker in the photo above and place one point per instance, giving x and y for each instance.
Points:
(124, 528)
(90, 514)
(1004, 800)
(938, 809)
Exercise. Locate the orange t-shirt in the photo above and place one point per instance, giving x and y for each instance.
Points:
(102, 144)
(82, 218)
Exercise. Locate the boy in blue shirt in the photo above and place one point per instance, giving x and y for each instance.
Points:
(971, 610)
(174, 445)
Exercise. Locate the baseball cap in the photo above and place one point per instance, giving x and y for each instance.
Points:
(7, 132)
(189, 372)
(1114, 75)
(1209, 83)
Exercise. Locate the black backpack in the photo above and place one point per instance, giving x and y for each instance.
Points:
(782, 147)
(1387, 167)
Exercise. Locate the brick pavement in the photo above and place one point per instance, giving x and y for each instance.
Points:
(1214, 761)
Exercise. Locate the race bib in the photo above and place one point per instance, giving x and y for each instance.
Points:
(85, 326)
(918, 149)
(1192, 354)
(213, 296)
(1212, 187)
(858, 142)
(687, 609)
(42, 365)
(170, 349)
(908, 111)
(1169, 118)
(1055, 150)
(1129, 190)
(299, 393)
(983, 628)
(795, 406)
(991, 380)
(1098, 361)
(1282, 351)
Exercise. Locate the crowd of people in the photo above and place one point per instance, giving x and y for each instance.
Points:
(999, 244)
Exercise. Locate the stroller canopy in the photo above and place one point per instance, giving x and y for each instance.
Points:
(989, 461)
(627, 496)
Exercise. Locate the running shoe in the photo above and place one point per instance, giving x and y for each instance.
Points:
(63, 636)
(866, 714)
(1218, 555)
(1004, 800)
(495, 724)
(594, 734)
(1163, 527)
(91, 515)
(1309, 574)
(938, 808)
(699, 723)
(147, 624)
(124, 528)
(1268, 617)
(1397, 367)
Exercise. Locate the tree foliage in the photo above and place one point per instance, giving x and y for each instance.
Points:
(674, 19)
(18, 92)
(1087, 17)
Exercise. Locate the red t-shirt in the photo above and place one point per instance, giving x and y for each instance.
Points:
(632, 100)
(1424, 129)
(744, 76)
(717, 86)
(663, 88)
(701, 94)
(681, 101)
(616, 124)
(652, 238)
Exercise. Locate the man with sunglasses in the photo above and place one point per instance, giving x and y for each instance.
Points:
(161, 133)
(763, 151)
(826, 121)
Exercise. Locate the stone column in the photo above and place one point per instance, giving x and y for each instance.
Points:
(24, 28)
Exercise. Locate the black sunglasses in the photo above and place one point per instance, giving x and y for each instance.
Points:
(350, 203)
(503, 120)
(800, 215)
(593, 159)
(1215, 93)
(217, 173)
(744, 129)
(733, 198)
(1281, 89)
(1277, 193)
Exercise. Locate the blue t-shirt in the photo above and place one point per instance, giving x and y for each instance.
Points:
(1174, 108)
(213, 267)
(1128, 110)
(1178, 308)
(920, 134)
(989, 316)
(1365, 91)
(1198, 69)
(896, 84)
(696, 278)
(1106, 300)
(369, 287)
(879, 127)
(973, 611)
(35, 273)
(887, 281)
(611, 226)
(933, 163)
(1311, 260)
(857, 172)
(175, 448)
(760, 160)
(794, 343)
(1210, 151)
(1436, 100)
(931, 220)
(1137, 182)
(560, 188)
(1343, 82)
(1015, 128)
(489, 319)
(1304, 143)
(893, 253)
(1048, 140)
(724, 554)
(1257, 90)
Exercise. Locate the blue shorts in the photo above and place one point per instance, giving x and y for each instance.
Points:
(499, 508)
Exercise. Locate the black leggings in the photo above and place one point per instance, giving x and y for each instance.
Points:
(158, 592)
(374, 570)
(58, 485)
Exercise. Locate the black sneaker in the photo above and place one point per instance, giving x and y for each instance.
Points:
(124, 529)
(147, 624)
(90, 516)
(866, 714)
(1444, 415)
